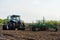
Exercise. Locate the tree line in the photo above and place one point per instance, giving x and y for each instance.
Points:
(2, 21)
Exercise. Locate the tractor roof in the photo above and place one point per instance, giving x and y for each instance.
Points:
(15, 16)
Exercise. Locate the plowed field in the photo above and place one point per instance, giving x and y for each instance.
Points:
(28, 35)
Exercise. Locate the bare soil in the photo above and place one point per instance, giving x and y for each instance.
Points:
(28, 35)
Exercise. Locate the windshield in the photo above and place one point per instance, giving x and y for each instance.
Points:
(14, 18)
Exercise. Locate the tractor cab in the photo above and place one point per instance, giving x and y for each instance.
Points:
(14, 18)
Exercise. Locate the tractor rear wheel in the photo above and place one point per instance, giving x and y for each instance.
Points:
(11, 28)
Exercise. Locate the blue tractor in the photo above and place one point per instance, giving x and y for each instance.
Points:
(13, 22)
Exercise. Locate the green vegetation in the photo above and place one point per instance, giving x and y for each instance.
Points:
(2, 21)
(53, 22)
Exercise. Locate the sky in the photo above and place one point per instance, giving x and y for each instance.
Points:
(31, 10)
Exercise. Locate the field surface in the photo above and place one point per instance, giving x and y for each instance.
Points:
(28, 35)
